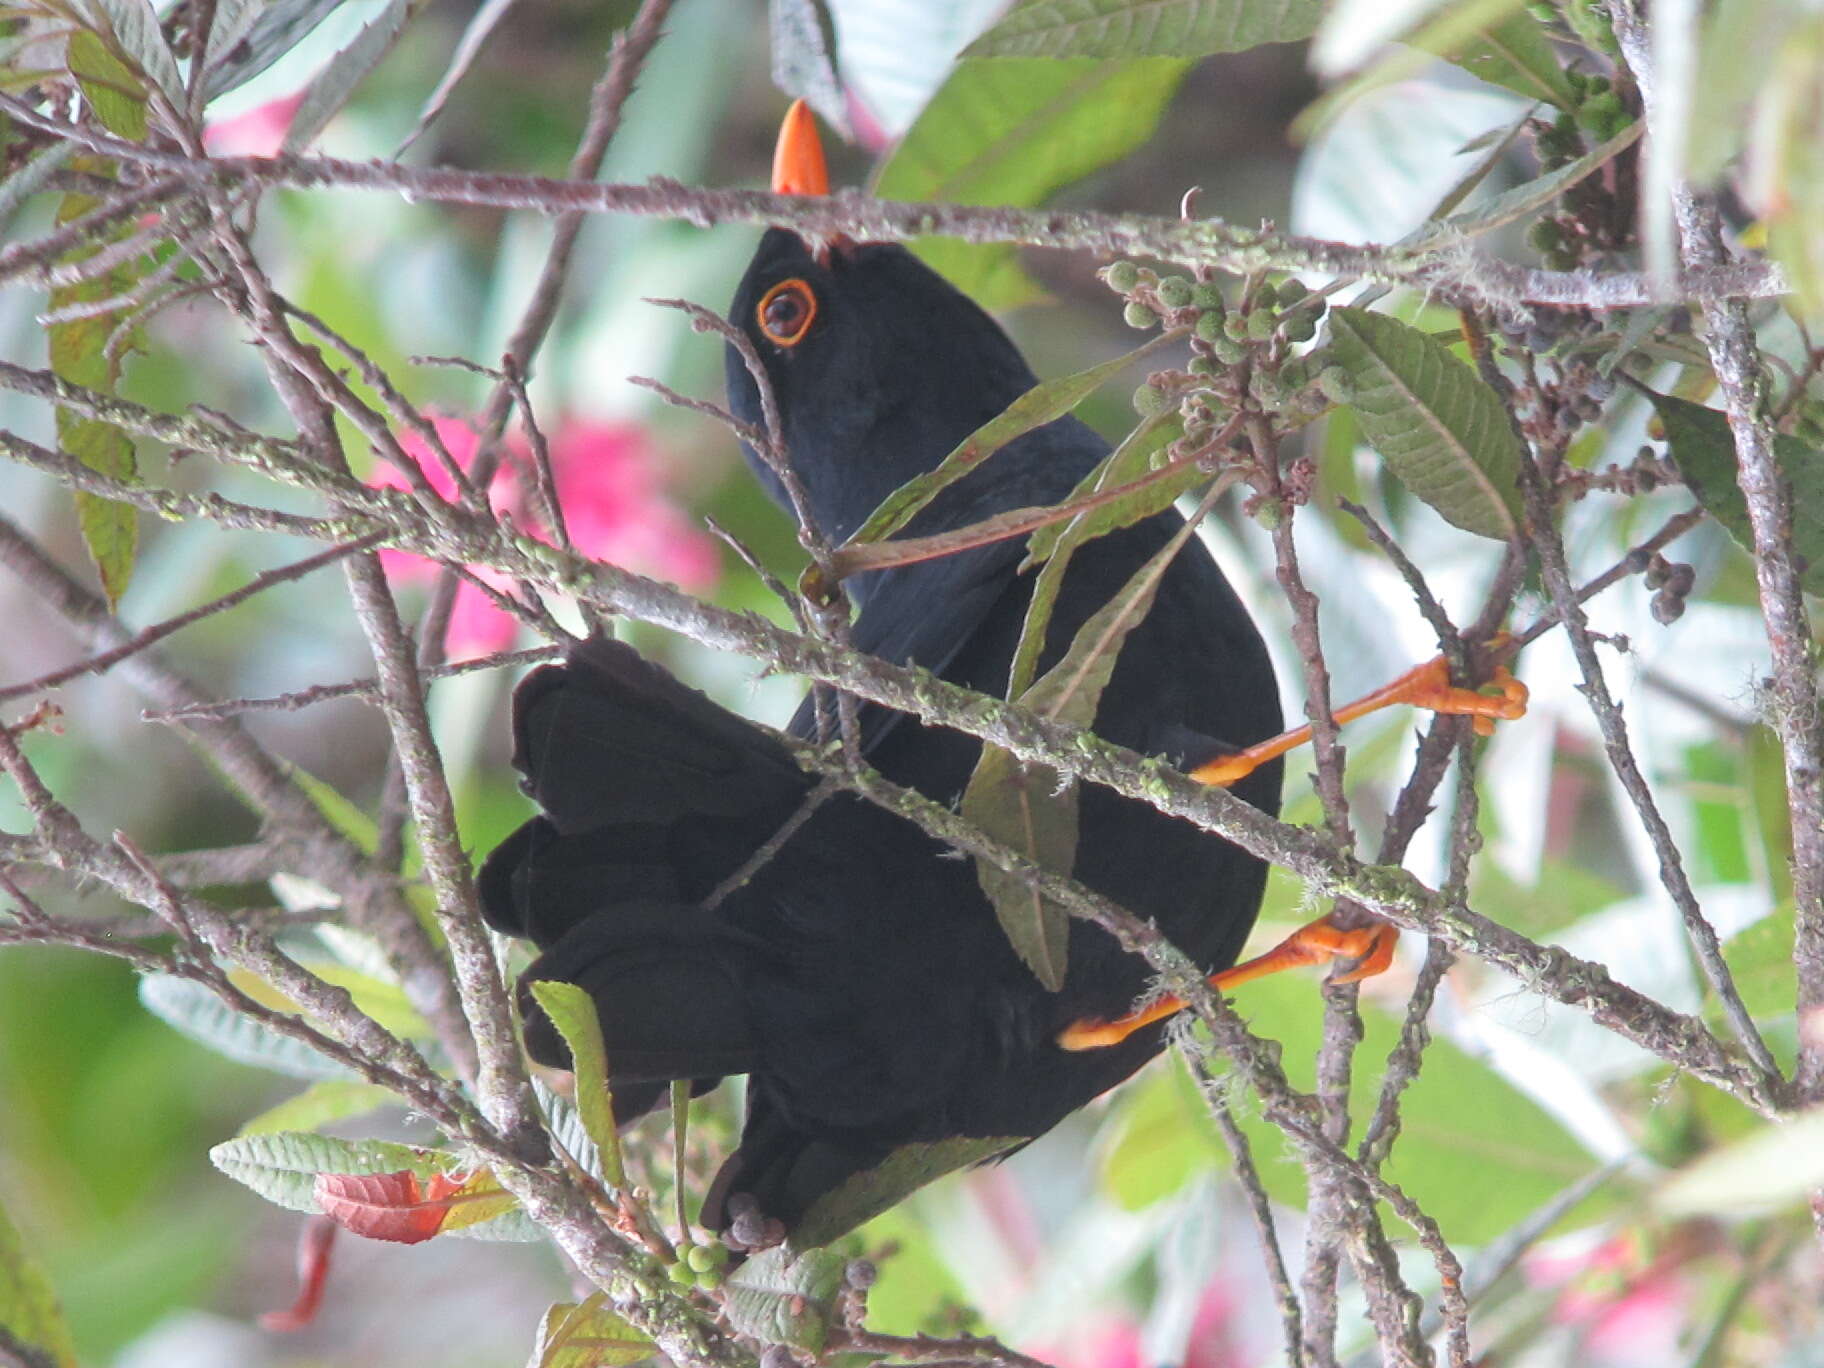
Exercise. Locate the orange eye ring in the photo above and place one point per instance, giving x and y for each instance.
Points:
(785, 312)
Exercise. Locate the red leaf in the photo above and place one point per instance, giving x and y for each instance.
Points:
(387, 1206)
(314, 1243)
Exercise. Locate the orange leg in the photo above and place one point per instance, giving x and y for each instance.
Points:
(1315, 943)
(1427, 686)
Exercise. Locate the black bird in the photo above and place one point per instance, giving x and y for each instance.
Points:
(859, 976)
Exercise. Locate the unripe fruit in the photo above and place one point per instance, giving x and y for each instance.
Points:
(1121, 276)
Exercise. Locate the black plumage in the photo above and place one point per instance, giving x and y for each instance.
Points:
(859, 977)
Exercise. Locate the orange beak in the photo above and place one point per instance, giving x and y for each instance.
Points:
(798, 167)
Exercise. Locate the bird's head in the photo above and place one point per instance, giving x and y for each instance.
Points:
(878, 365)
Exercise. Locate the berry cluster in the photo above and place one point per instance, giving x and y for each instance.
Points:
(1241, 356)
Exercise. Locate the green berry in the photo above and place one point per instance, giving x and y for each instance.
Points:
(709, 1280)
(1266, 297)
(1150, 401)
(1228, 350)
(1209, 326)
(1337, 384)
(1121, 276)
(1561, 259)
(1175, 292)
(1300, 327)
(1207, 294)
(1138, 315)
(705, 1258)
(1545, 236)
(1260, 325)
(1291, 291)
(1267, 514)
(1202, 365)
(1235, 326)
(681, 1272)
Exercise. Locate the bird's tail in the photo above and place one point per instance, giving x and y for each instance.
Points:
(650, 794)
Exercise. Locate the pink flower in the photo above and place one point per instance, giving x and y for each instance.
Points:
(1630, 1308)
(260, 132)
(614, 507)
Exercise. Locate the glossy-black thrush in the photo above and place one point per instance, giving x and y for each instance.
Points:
(859, 976)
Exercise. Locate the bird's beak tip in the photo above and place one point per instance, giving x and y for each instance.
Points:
(798, 165)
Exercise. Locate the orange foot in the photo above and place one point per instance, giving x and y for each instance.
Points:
(1425, 686)
(1315, 943)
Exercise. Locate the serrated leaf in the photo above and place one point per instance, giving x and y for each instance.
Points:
(1522, 200)
(1515, 54)
(780, 1296)
(1012, 132)
(78, 353)
(1777, 1166)
(1042, 404)
(804, 58)
(1703, 449)
(318, 1105)
(1146, 28)
(1033, 808)
(566, 1126)
(587, 1334)
(908, 1168)
(194, 1011)
(135, 27)
(1439, 427)
(112, 88)
(279, 27)
(283, 1166)
(1122, 466)
(336, 82)
(32, 1328)
(110, 529)
(572, 1012)
(383, 1000)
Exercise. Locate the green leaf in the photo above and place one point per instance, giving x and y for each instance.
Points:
(1703, 448)
(193, 1010)
(1778, 1166)
(110, 529)
(907, 1169)
(1033, 808)
(380, 998)
(1043, 403)
(111, 87)
(1012, 132)
(32, 1328)
(587, 1334)
(1122, 466)
(1439, 427)
(572, 1012)
(1760, 961)
(1515, 54)
(1146, 28)
(1460, 1121)
(280, 26)
(135, 27)
(341, 812)
(783, 1297)
(318, 1105)
(1159, 1139)
(283, 1166)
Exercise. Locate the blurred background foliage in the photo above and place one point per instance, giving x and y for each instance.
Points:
(1119, 1239)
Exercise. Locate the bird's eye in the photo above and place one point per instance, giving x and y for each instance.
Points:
(785, 312)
